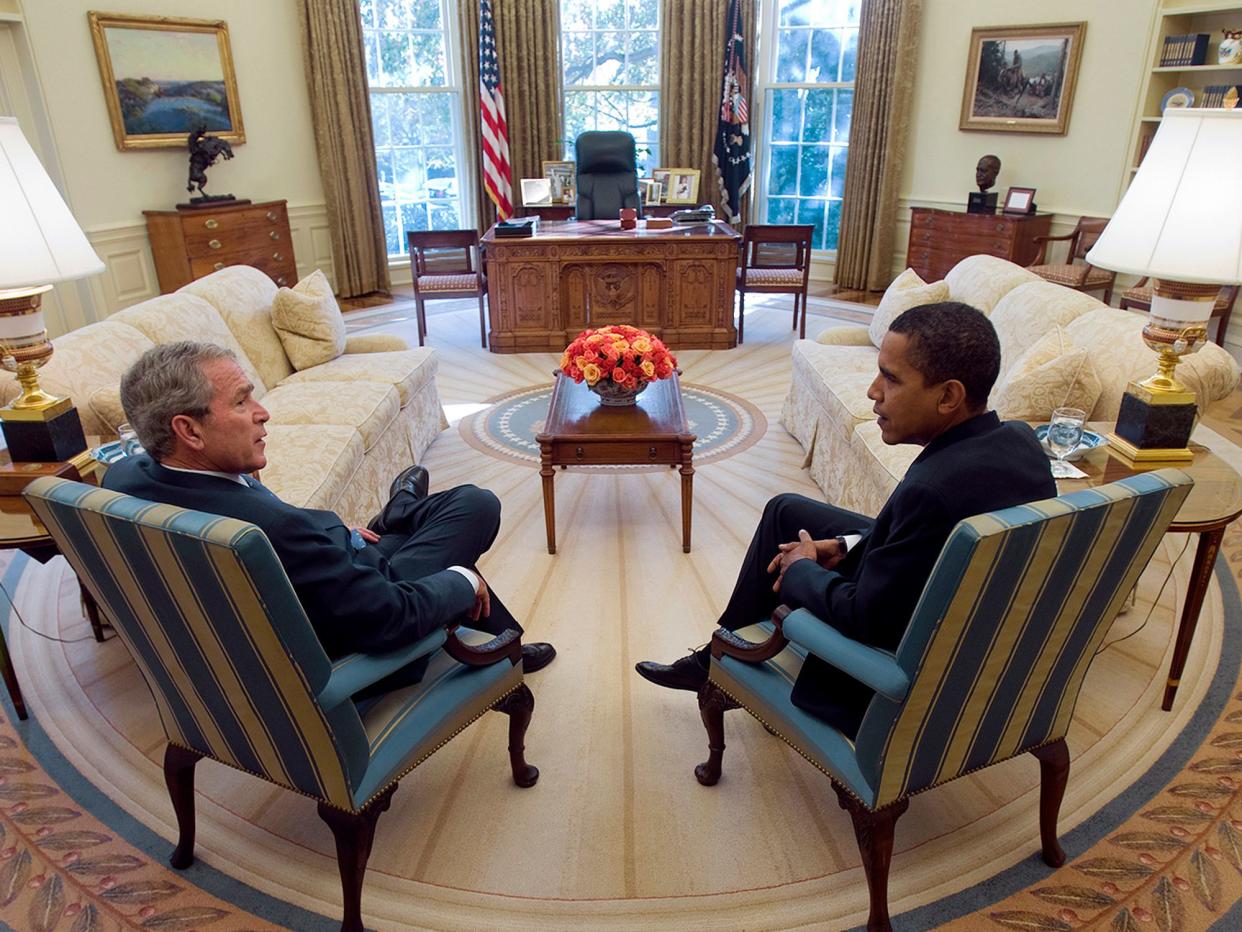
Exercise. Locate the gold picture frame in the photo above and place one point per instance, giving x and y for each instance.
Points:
(160, 112)
(1021, 79)
(563, 177)
(649, 191)
(682, 186)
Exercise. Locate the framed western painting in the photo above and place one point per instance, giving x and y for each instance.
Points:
(164, 77)
(1020, 79)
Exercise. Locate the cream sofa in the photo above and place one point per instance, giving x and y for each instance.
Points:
(339, 432)
(828, 411)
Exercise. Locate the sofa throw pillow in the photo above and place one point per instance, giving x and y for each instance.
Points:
(1054, 373)
(906, 291)
(308, 322)
(106, 413)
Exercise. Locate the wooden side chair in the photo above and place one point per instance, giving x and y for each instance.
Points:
(989, 668)
(1139, 298)
(1076, 272)
(776, 259)
(446, 264)
(238, 675)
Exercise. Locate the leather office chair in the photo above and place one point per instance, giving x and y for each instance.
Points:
(607, 175)
(776, 259)
(442, 266)
(1079, 275)
(1030, 591)
(1138, 298)
(238, 675)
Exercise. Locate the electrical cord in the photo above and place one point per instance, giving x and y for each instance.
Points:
(36, 631)
(1154, 602)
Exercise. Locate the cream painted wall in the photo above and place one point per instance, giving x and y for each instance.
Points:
(1079, 173)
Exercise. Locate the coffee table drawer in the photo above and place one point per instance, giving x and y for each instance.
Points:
(614, 452)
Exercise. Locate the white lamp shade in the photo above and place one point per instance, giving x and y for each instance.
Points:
(40, 242)
(1181, 218)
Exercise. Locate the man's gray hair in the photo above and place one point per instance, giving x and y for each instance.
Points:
(166, 381)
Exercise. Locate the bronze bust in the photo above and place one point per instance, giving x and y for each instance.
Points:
(986, 171)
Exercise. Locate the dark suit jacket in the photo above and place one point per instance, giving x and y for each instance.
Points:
(978, 466)
(352, 597)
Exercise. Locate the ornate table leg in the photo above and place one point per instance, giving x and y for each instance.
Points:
(1200, 576)
(687, 491)
(549, 494)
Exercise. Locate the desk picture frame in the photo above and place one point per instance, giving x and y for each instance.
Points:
(159, 113)
(682, 186)
(1019, 201)
(537, 192)
(650, 191)
(562, 177)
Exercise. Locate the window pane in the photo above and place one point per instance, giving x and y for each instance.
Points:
(812, 212)
(825, 56)
(783, 173)
(609, 58)
(786, 105)
(411, 175)
(575, 16)
(394, 237)
(782, 209)
(379, 119)
(644, 59)
(841, 119)
(817, 123)
(396, 62)
(444, 217)
(609, 14)
(366, 10)
(383, 166)
(849, 62)
(837, 186)
(644, 14)
(813, 180)
(819, 12)
(579, 57)
(414, 216)
(791, 55)
(428, 65)
(372, 52)
(833, 225)
(423, 14)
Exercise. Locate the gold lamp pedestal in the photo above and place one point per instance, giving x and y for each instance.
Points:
(1158, 414)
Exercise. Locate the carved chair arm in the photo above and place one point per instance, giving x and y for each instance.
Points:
(1043, 242)
(507, 644)
(727, 644)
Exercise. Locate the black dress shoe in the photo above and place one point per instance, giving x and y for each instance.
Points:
(690, 672)
(414, 480)
(536, 656)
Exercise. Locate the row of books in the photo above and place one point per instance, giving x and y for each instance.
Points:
(1190, 49)
(1221, 96)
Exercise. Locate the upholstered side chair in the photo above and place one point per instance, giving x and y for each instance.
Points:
(1076, 272)
(446, 264)
(1138, 298)
(607, 175)
(776, 259)
(989, 668)
(206, 611)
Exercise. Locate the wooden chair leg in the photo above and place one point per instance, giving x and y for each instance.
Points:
(179, 765)
(421, 319)
(10, 679)
(354, 832)
(519, 705)
(741, 317)
(482, 323)
(802, 330)
(874, 831)
(92, 612)
(1054, 765)
(713, 703)
(795, 317)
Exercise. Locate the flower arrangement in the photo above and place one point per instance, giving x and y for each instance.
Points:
(617, 360)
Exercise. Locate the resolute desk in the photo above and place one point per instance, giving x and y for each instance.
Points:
(543, 290)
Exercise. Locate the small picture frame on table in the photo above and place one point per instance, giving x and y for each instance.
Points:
(536, 192)
(561, 177)
(682, 186)
(650, 191)
(1019, 201)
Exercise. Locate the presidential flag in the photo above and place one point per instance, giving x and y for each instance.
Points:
(497, 175)
(731, 154)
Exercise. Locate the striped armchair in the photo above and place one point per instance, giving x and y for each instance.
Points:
(213, 624)
(990, 666)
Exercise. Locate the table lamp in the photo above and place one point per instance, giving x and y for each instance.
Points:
(1180, 223)
(40, 244)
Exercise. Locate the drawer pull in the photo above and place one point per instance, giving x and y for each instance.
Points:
(215, 244)
(278, 256)
(211, 223)
(282, 281)
(651, 453)
(272, 216)
(218, 266)
(578, 453)
(274, 235)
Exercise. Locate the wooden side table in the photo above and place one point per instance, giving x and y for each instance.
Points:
(1213, 503)
(939, 239)
(580, 431)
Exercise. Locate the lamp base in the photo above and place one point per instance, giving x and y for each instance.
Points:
(57, 438)
(1153, 428)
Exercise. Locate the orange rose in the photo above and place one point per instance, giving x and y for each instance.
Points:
(641, 345)
(648, 368)
(619, 376)
(591, 373)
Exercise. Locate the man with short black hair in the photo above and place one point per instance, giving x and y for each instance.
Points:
(937, 365)
(363, 589)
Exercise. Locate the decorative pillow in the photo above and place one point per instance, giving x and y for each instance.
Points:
(105, 407)
(1054, 373)
(906, 291)
(308, 322)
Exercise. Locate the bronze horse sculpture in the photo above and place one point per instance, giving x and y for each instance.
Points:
(204, 150)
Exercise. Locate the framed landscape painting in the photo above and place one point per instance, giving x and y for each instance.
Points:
(1020, 79)
(165, 77)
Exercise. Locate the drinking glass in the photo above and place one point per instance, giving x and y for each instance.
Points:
(129, 440)
(1065, 431)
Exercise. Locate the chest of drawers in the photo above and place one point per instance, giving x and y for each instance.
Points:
(190, 243)
(939, 239)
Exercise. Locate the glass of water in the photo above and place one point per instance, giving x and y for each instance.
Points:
(130, 444)
(1065, 431)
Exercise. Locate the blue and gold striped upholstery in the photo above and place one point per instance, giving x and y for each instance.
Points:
(996, 651)
(236, 670)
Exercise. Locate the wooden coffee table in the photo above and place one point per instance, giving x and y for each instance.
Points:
(580, 431)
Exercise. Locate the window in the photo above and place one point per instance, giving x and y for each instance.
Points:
(610, 50)
(415, 85)
(809, 98)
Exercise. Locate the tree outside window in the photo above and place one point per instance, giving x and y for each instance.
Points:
(610, 51)
(809, 95)
(415, 105)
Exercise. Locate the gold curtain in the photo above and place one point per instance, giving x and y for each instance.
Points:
(528, 47)
(887, 44)
(692, 42)
(336, 77)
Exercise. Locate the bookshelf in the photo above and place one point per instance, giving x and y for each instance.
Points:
(1174, 18)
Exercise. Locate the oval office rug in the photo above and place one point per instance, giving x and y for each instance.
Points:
(723, 424)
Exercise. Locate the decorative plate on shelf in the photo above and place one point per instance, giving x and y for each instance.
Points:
(1090, 440)
(1177, 98)
(1230, 100)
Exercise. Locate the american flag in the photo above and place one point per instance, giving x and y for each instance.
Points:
(731, 154)
(497, 175)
